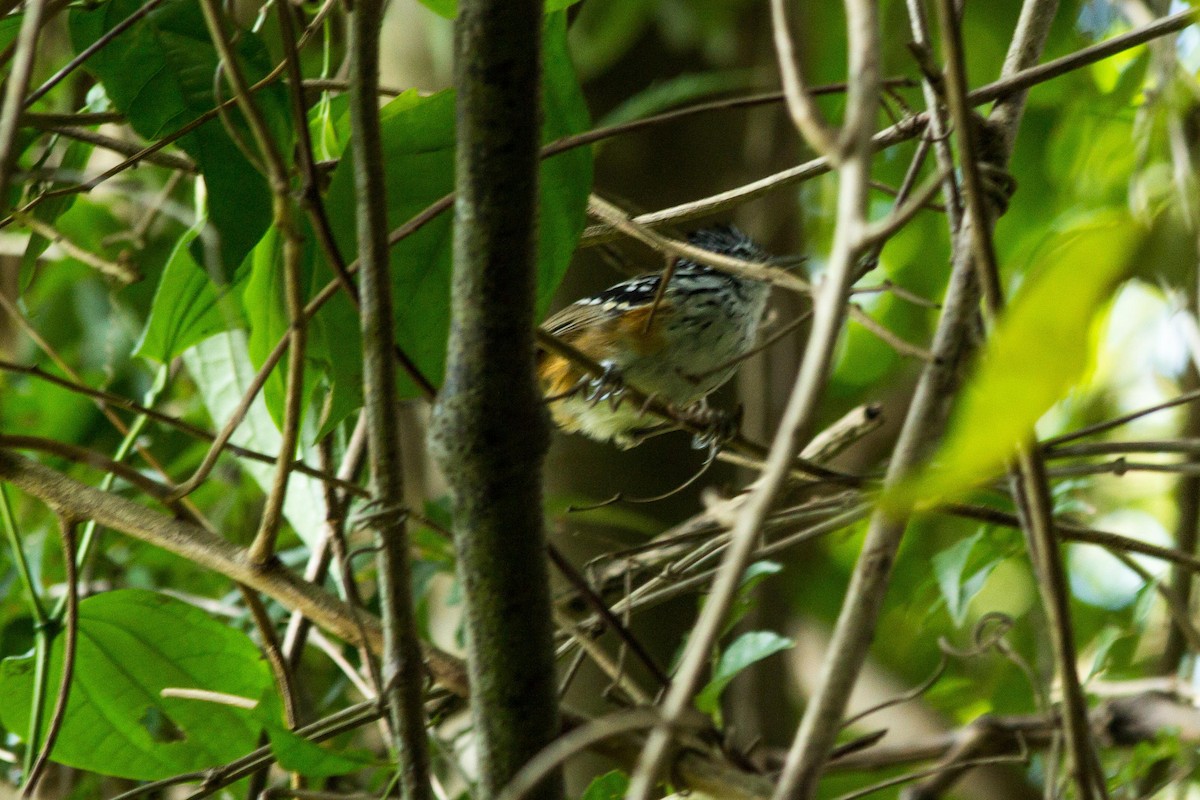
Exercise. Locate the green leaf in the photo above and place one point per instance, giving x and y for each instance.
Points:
(1040, 349)
(1108, 636)
(957, 588)
(159, 73)
(747, 649)
(188, 306)
(603, 33)
(744, 600)
(132, 645)
(297, 754)
(221, 367)
(74, 159)
(266, 312)
(418, 151)
(609, 786)
(10, 26)
(443, 8)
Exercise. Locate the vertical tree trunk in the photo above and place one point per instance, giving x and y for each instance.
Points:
(489, 428)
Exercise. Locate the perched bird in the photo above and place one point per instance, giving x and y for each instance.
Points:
(705, 321)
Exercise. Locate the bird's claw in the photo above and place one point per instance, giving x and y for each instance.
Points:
(608, 386)
(719, 426)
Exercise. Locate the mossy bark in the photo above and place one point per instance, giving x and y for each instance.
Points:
(489, 430)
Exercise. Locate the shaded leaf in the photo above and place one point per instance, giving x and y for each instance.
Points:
(747, 649)
(75, 158)
(1109, 636)
(449, 8)
(744, 600)
(609, 786)
(682, 89)
(159, 73)
(297, 754)
(950, 569)
(188, 306)
(132, 645)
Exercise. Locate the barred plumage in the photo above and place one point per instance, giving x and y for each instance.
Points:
(706, 319)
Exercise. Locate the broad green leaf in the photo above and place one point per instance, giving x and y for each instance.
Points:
(266, 312)
(418, 144)
(418, 151)
(747, 649)
(159, 73)
(609, 786)
(221, 368)
(188, 306)
(297, 754)
(132, 645)
(1040, 349)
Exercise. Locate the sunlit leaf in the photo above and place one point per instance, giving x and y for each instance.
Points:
(132, 645)
(1039, 350)
(220, 366)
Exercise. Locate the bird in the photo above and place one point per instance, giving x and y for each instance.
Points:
(679, 351)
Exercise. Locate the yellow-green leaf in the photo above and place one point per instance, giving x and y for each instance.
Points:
(1040, 348)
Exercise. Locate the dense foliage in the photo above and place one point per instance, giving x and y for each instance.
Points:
(150, 257)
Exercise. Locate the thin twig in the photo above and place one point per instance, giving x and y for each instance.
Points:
(109, 399)
(1028, 477)
(15, 86)
(979, 214)
(768, 273)
(119, 270)
(82, 134)
(822, 137)
(91, 50)
(1009, 85)
(601, 608)
(403, 673)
